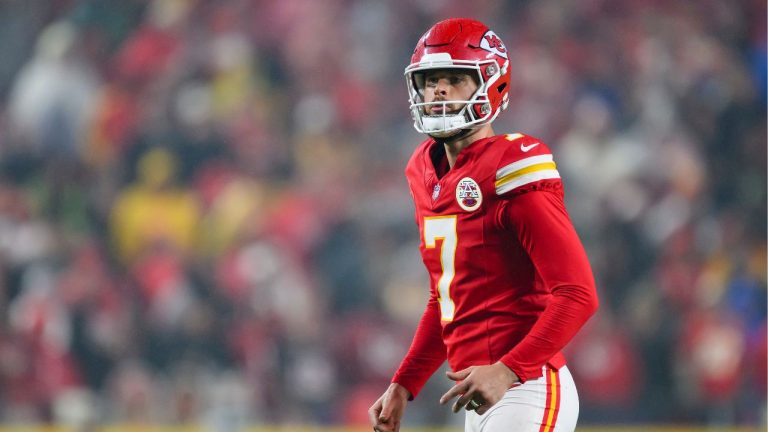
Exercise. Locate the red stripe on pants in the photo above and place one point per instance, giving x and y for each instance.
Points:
(552, 406)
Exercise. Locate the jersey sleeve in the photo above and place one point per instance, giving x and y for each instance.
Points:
(536, 214)
(426, 354)
(525, 164)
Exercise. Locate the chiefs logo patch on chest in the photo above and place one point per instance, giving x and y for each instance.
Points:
(468, 194)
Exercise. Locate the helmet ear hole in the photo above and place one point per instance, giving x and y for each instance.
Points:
(501, 87)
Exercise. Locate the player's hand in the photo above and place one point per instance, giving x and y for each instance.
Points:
(484, 386)
(385, 413)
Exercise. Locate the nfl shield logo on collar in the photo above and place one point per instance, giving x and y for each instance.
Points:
(436, 191)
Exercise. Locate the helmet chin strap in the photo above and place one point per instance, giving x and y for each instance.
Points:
(444, 125)
(447, 127)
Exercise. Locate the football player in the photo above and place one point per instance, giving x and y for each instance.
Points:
(510, 283)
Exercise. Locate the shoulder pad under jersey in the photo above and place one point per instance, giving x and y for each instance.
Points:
(523, 161)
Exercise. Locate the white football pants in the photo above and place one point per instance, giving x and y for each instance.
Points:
(547, 404)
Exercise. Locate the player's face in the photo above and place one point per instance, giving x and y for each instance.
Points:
(447, 85)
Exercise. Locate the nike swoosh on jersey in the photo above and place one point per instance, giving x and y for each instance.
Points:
(526, 148)
(525, 171)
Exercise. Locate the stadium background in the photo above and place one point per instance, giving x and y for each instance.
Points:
(204, 221)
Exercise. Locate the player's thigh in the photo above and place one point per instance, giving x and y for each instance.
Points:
(548, 404)
(569, 403)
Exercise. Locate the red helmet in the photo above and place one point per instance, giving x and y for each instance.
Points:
(459, 43)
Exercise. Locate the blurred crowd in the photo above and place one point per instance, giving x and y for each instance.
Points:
(204, 218)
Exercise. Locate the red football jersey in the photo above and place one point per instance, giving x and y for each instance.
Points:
(509, 279)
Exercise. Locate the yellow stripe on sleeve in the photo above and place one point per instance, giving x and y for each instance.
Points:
(533, 168)
(524, 171)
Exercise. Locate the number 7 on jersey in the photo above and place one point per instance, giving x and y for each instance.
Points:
(443, 228)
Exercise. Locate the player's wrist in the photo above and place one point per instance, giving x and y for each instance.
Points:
(509, 375)
(399, 391)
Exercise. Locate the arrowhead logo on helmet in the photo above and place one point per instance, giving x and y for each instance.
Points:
(491, 42)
